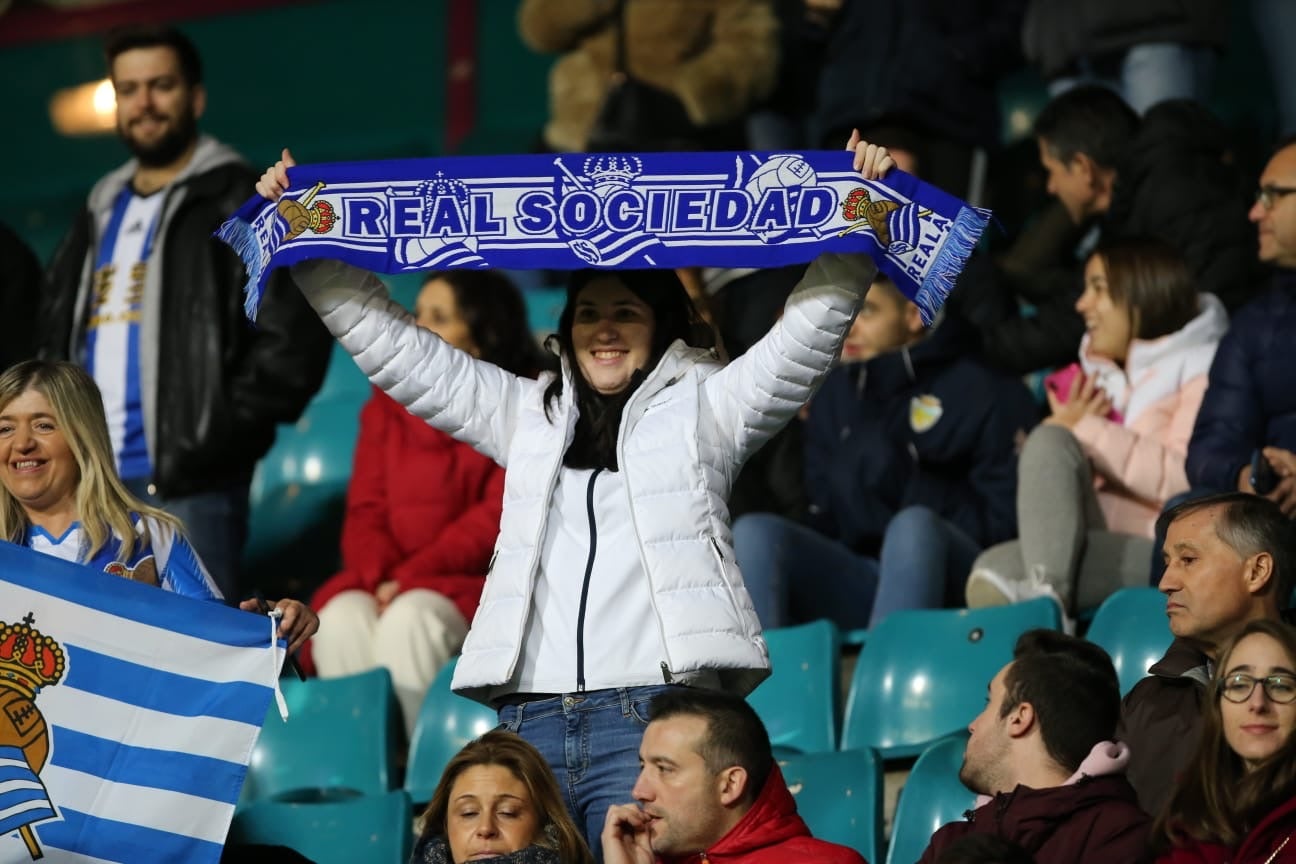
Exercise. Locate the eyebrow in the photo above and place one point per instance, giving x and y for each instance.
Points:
(39, 415)
(471, 796)
(1273, 670)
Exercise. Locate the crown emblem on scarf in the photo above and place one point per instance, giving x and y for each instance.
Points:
(322, 217)
(442, 185)
(618, 170)
(29, 660)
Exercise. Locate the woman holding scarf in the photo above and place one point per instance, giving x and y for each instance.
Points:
(613, 576)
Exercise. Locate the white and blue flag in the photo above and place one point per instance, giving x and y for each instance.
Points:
(127, 715)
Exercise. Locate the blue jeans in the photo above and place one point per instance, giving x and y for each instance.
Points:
(794, 573)
(591, 741)
(1149, 74)
(216, 524)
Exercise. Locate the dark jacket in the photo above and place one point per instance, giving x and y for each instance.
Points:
(1161, 722)
(924, 426)
(1250, 401)
(20, 281)
(1273, 841)
(423, 510)
(1056, 33)
(927, 63)
(1096, 819)
(219, 383)
(771, 832)
(1179, 182)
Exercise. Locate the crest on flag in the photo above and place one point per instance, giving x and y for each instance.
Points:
(29, 662)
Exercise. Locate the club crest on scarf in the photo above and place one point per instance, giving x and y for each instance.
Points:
(576, 210)
(29, 662)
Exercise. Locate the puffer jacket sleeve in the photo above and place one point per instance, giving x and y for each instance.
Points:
(471, 400)
(1231, 421)
(1150, 466)
(757, 394)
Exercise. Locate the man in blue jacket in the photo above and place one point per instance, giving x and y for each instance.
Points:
(911, 470)
(1250, 402)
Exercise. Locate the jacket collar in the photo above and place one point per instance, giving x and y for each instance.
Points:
(209, 154)
(1031, 816)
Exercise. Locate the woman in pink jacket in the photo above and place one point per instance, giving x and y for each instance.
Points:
(423, 509)
(1094, 476)
(1236, 803)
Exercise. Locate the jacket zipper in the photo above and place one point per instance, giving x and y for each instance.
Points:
(589, 571)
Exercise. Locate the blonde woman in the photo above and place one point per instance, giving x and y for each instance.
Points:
(62, 496)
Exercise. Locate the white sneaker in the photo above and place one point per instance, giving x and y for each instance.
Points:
(987, 588)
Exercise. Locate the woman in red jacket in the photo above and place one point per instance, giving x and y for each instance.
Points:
(1237, 800)
(423, 509)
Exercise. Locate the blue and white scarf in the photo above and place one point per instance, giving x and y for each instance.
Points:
(579, 210)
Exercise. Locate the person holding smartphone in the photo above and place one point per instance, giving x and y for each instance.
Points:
(1095, 475)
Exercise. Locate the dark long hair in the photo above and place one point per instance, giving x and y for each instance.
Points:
(1219, 800)
(674, 317)
(1150, 279)
(493, 308)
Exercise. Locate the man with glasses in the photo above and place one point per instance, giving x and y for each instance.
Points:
(1245, 432)
(1229, 560)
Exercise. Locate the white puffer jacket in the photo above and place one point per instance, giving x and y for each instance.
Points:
(684, 435)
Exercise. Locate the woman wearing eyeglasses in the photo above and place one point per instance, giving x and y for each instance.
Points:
(1236, 802)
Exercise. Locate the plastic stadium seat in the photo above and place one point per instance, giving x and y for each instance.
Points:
(338, 741)
(374, 829)
(799, 701)
(932, 796)
(1131, 626)
(923, 673)
(839, 795)
(446, 722)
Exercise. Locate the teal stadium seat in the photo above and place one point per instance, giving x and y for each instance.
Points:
(1131, 626)
(839, 795)
(923, 673)
(338, 742)
(932, 796)
(799, 702)
(298, 497)
(374, 829)
(446, 722)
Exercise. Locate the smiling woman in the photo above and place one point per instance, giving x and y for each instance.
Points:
(1237, 800)
(62, 496)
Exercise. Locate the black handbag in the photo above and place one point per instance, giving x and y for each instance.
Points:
(636, 116)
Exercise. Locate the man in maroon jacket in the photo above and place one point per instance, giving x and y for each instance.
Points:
(710, 791)
(1042, 759)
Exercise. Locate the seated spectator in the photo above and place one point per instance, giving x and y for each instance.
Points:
(911, 465)
(1096, 473)
(1250, 404)
(1229, 561)
(497, 800)
(1042, 757)
(423, 509)
(62, 496)
(1237, 801)
(710, 790)
(697, 66)
(1170, 176)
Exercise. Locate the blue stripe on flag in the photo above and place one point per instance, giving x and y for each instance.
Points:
(22, 796)
(113, 761)
(110, 840)
(118, 679)
(132, 600)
